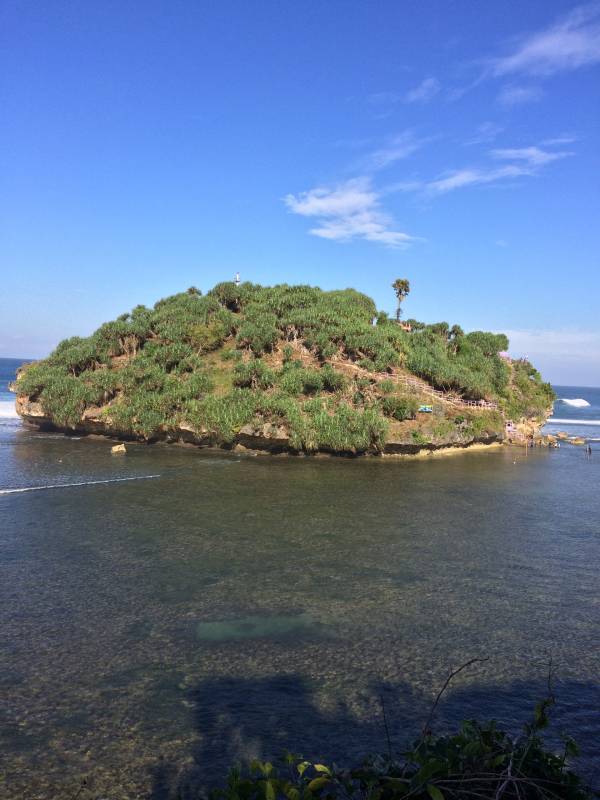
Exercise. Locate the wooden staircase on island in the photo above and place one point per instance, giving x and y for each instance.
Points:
(416, 383)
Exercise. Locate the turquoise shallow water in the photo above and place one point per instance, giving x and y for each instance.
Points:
(157, 629)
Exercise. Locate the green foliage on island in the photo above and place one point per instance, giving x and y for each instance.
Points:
(479, 761)
(248, 355)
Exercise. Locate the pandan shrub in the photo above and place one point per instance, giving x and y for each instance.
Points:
(399, 407)
(231, 355)
(386, 386)
(345, 429)
(209, 336)
(480, 761)
(288, 352)
(222, 417)
(332, 381)
(254, 374)
(291, 381)
(295, 379)
(258, 332)
(419, 438)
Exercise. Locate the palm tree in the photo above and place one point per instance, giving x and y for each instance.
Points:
(402, 287)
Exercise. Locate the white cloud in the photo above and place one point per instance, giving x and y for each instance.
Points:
(460, 178)
(424, 92)
(563, 343)
(559, 140)
(534, 156)
(565, 355)
(572, 42)
(349, 211)
(527, 161)
(397, 148)
(512, 95)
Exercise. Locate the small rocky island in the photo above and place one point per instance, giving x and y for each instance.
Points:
(284, 369)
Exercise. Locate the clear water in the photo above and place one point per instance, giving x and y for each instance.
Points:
(155, 630)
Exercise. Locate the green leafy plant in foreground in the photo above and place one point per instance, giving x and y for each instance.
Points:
(479, 762)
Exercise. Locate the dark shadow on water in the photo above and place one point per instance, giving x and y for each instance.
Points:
(240, 719)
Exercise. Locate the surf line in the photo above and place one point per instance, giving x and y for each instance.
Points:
(582, 422)
(81, 483)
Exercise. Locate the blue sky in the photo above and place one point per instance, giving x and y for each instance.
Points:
(149, 146)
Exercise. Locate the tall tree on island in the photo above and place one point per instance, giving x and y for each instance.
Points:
(402, 287)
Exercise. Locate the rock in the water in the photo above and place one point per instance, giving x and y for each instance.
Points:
(118, 448)
(562, 435)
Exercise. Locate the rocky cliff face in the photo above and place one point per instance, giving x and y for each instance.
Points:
(265, 437)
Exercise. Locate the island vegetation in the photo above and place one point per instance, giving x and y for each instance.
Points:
(306, 369)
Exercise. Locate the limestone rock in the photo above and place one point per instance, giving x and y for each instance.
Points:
(118, 449)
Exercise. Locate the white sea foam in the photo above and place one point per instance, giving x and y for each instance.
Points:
(578, 402)
(583, 422)
(80, 483)
(7, 409)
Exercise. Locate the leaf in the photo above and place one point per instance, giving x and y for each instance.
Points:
(319, 783)
(434, 792)
(427, 770)
(269, 790)
(571, 747)
(472, 749)
(322, 768)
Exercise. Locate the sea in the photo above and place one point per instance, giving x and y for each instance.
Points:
(171, 611)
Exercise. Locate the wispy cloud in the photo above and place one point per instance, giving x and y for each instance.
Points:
(534, 156)
(526, 161)
(460, 178)
(559, 140)
(569, 343)
(486, 132)
(512, 95)
(395, 149)
(570, 43)
(424, 92)
(566, 355)
(347, 212)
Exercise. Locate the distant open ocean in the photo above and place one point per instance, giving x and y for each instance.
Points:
(8, 368)
(576, 411)
(177, 606)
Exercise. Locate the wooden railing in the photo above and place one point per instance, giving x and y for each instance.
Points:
(424, 388)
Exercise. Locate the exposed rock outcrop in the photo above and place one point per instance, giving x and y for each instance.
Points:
(265, 437)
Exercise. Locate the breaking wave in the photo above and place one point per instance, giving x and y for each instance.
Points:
(582, 422)
(578, 402)
(80, 483)
(7, 410)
